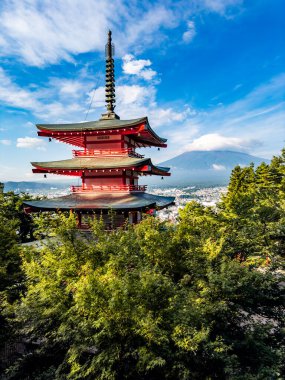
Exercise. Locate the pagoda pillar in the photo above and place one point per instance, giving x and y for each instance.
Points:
(79, 219)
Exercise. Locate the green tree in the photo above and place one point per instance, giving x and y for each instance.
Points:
(11, 208)
(116, 306)
(202, 299)
(11, 281)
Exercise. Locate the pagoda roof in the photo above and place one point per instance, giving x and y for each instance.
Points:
(102, 124)
(90, 163)
(102, 201)
(138, 129)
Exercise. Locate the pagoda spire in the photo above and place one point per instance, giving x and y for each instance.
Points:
(110, 96)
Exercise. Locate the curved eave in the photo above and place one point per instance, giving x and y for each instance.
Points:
(98, 125)
(158, 138)
(101, 202)
(159, 170)
(138, 129)
(76, 166)
(92, 163)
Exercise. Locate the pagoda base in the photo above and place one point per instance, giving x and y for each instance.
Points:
(132, 204)
(102, 201)
(128, 206)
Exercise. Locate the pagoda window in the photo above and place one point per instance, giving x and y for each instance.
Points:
(100, 181)
(103, 174)
(104, 145)
(102, 138)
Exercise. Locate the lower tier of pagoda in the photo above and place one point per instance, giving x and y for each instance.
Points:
(98, 202)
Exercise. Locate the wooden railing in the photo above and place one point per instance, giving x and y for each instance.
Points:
(103, 188)
(106, 152)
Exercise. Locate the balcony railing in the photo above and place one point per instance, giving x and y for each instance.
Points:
(103, 188)
(106, 152)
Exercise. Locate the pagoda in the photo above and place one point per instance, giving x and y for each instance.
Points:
(107, 163)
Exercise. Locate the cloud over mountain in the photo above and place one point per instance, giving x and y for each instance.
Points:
(215, 141)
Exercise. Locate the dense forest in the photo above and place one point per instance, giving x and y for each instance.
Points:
(202, 298)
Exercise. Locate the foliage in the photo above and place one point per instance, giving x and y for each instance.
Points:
(254, 212)
(11, 209)
(11, 275)
(201, 299)
(15, 227)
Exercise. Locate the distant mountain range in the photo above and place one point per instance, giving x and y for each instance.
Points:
(33, 187)
(205, 167)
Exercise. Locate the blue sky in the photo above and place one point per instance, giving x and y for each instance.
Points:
(209, 74)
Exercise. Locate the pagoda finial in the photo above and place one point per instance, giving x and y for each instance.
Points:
(110, 80)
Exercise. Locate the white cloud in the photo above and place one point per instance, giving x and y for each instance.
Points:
(134, 66)
(68, 87)
(42, 32)
(134, 101)
(138, 67)
(42, 102)
(135, 95)
(169, 116)
(259, 115)
(221, 6)
(5, 142)
(215, 141)
(29, 124)
(190, 32)
(218, 167)
(244, 125)
(14, 95)
(30, 142)
(148, 74)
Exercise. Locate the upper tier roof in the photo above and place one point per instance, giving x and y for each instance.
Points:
(89, 163)
(92, 125)
(138, 129)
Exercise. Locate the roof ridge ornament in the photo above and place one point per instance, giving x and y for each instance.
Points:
(110, 96)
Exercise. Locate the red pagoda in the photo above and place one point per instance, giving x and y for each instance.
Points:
(107, 163)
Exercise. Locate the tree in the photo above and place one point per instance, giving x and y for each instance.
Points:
(11, 281)
(11, 208)
(195, 300)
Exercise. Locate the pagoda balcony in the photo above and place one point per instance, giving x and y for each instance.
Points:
(106, 188)
(106, 153)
